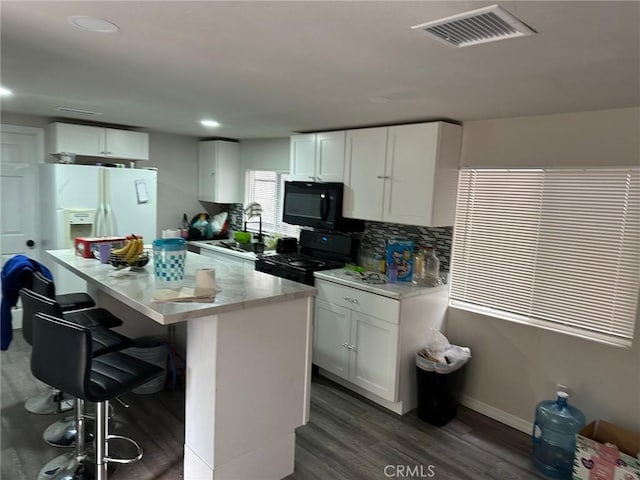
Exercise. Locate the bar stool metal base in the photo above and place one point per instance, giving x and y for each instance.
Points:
(63, 433)
(67, 467)
(49, 402)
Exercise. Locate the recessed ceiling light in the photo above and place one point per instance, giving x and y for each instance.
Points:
(93, 24)
(5, 92)
(210, 123)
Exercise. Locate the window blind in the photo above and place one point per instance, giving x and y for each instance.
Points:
(554, 248)
(267, 188)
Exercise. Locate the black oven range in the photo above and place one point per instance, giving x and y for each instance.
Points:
(318, 251)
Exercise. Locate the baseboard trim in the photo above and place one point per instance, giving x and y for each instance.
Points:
(497, 414)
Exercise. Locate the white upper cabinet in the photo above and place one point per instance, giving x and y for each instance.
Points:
(317, 157)
(127, 144)
(98, 141)
(219, 172)
(405, 174)
(364, 173)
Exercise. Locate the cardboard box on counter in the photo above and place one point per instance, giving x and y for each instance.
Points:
(606, 452)
(86, 246)
(400, 253)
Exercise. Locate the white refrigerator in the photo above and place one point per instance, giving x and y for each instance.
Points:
(117, 201)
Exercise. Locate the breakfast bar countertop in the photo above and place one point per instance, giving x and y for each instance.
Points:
(237, 288)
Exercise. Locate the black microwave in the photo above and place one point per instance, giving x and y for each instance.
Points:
(317, 205)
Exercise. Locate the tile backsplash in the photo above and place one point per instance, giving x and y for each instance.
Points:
(376, 234)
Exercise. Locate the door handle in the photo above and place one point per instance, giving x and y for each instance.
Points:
(30, 243)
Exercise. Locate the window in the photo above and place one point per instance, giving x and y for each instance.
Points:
(267, 188)
(554, 248)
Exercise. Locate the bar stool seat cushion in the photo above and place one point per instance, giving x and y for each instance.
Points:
(93, 317)
(115, 373)
(104, 341)
(75, 301)
(68, 301)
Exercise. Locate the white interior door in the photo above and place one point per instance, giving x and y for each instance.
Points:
(22, 148)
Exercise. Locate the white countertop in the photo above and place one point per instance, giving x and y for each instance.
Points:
(238, 288)
(212, 245)
(397, 291)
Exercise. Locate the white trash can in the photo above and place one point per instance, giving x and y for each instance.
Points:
(155, 351)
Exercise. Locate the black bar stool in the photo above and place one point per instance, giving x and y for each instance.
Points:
(53, 401)
(62, 356)
(67, 301)
(63, 432)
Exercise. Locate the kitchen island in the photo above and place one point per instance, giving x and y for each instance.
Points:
(248, 362)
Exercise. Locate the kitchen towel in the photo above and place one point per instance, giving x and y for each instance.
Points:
(205, 283)
(185, 294)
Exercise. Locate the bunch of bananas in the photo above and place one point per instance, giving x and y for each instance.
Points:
(131, 250)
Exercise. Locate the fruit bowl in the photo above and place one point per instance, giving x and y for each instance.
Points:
(120, 261)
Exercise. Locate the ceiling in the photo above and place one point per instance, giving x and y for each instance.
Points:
(268, 68)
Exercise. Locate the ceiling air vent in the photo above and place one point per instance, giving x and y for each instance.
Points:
(76, 110)
(487, 24)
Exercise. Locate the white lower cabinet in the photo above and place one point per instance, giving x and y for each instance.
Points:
(374, 355)
(367, 342)
(356, 347)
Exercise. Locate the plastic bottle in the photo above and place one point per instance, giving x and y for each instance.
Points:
(553, 437)
(418, 267)
(185, 226)
(426, 267)
(431, 266)
(392, 274)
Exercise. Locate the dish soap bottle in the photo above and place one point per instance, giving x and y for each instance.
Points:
(184, 230)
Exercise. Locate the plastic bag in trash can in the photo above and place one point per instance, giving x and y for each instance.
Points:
(436, 345)
(455, 358)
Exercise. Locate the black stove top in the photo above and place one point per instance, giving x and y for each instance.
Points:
(318, 251)
(299, 260)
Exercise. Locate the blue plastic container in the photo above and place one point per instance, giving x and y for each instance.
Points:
(554, 436)
(169, 256)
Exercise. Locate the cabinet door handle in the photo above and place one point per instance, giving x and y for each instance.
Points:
(345, 345)
(348, 299)
(381, 177)
(353, 349)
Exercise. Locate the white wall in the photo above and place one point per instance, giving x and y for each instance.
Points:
(176, 157)
(515, 366)
(264, 154)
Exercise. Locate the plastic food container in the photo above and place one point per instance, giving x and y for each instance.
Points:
(169, 255)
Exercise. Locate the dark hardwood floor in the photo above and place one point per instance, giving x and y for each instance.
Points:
(348, 437)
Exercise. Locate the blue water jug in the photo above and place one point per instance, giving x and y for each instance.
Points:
(554, 436)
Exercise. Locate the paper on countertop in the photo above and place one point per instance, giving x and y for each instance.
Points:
(185, 294)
